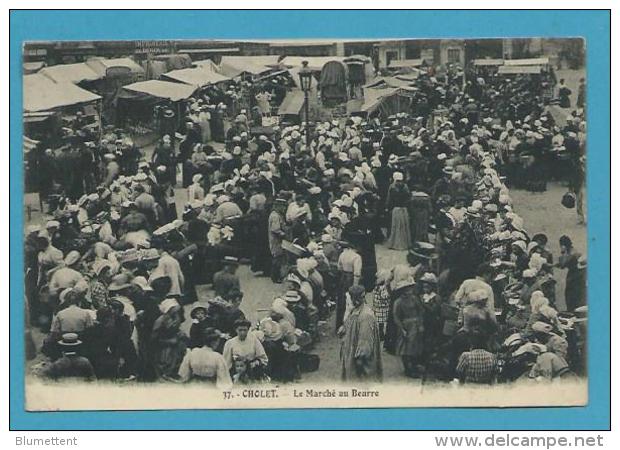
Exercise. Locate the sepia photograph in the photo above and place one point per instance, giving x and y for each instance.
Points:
(303, 223)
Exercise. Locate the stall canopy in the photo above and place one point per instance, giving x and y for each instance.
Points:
(101, 65)
(70, 73)
(527, 62)
(206, 64)
(402, 63)
(175, 61)
(516, 70)
(333, 82)
(197, 77)
(292, 103)
(488, 62)
(357, 58)
(162, 89)
(233, 66)
(42, 94)
(32, 67)
(399, 81)
(373, 98)
(38, 117)
(30, 144)
(269, 75)
(314, 62)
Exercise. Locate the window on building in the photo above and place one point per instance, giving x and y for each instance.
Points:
(390, 56)
(454, 55)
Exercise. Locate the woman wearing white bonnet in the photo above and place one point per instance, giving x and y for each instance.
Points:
(168, 346)
(279, 306)
(398, 198)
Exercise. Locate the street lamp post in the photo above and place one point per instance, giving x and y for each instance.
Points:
(305, 81)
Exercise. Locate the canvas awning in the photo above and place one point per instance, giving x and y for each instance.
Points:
(357, 58)
(198, 77)
(292, 103)
(314, 62)
(70, 73)
(42, 94)
(233, 66)
(398, 63)
(101, 65)
(211, 50)
(373, 97)
(271, 75)
(32, 67)
(162, 89)
(37, 117)
(527, 62)
(515, 70)
(206, 64)
(488, 62)
(30, 144)
(399, 81)
(174, 61)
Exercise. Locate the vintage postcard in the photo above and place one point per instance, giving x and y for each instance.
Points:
(305, 223)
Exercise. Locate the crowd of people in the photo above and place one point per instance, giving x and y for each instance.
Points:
(111, 275)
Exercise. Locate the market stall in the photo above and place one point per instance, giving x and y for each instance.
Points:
(519, 70)
(32, 67)
(333, 83)
(398, 81)
(527, 62)
(315, 63)
(51, 113)
(488, 62)
(71, 73)
(196, 77)
(233, 66)
(381, 101)
(156, 65)
(487, 66)
(138, 100)
(290, 109)
(50, 106)
(405, 66)
(113, 75)
(30, 147)
(102, 66)
(43, 125)
(43, 94)
(206, 64)
(537, 68)
(159, 89)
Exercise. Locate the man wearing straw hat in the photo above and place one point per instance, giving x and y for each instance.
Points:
(70, 364)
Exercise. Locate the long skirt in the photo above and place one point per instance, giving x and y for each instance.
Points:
(167, 358)
(412, 344)
(400, 233)
(419, 224)
(205, 129)
(575, 291)
(282, 363)
(346, 281)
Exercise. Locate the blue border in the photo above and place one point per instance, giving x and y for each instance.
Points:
(594, 26)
